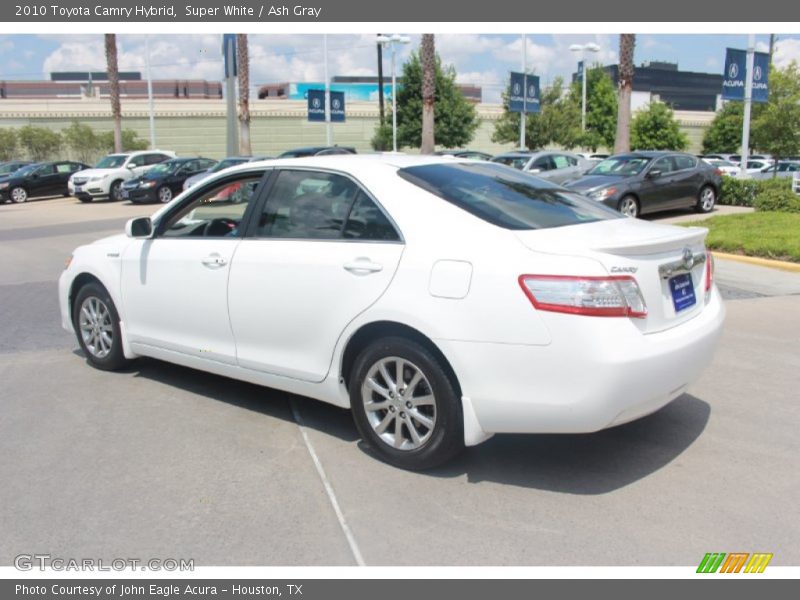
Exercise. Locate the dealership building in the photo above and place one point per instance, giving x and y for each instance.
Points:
(190, 115)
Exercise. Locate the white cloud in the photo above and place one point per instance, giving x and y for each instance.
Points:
(762, 47)
(786, 51)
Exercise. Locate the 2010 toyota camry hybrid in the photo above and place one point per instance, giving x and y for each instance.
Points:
(443, 300)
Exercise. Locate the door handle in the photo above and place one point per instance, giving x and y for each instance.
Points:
(362, 266)
(214, 261)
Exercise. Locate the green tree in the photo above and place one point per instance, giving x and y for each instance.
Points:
(455, 117)
(82, 141)
(557, 122)
(776, 129)
(601, 108)
(725, 132)
(130, 141)
(8, 143)
(655, 128)
(39, 143)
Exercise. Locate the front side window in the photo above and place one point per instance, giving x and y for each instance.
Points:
(506, 198)
(46, 170)
(561, 161)
(137, 161)
(517, 162)
(625, 166)
(665, 165)
(112, 161)
(217, 212)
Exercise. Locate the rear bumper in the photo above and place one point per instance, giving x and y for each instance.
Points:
(597, 372)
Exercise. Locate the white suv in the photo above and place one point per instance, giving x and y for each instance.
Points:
(105, 180)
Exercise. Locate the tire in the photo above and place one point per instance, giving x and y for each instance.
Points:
(96, 323)
(164, 194)
(18, 194)
(115, 191)
(706, 199)
(629, 206)
(431, 408)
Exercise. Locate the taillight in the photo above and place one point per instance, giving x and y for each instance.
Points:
(617, 296)
(709, 273)
(718, 171)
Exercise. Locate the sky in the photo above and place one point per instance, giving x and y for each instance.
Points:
(480, 59)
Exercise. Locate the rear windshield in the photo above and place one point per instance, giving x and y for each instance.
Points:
(506, 197)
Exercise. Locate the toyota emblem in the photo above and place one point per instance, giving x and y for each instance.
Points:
(688, 258)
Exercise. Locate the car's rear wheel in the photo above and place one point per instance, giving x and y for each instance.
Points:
(115, 191)
(404, 404)
(164, 194)
(96, 323)
(629, 206)
(706, 199)
(18, 195)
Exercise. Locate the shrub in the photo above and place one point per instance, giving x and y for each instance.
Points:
(778, 199)
(8, 144)
(382, 140)
(738, 192)
(40, 143)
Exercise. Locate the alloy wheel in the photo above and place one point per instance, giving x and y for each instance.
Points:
(94, 322)
(19, 195)
(164, 194)
(629, 207)
(399, 403)
(707, 199)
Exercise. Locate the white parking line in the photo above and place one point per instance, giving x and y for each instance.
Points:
(351, 540)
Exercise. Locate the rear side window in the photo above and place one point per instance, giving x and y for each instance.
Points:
(506, 198)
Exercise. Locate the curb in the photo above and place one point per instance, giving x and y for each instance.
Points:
(761, 262)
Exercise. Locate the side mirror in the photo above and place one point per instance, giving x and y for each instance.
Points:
(131, 166)
(534, 171)
(140, 227)
(654, 173)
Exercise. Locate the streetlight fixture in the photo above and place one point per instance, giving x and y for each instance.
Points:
(582, 48)
(392, 41)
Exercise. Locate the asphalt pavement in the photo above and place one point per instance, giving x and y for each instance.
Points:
(163, 461)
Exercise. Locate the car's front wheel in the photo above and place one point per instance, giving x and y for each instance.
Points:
(706, 199)
(18, 195)
(164, 194)
(629, 207)
(115, 191)
(96, 323)
(405, 405)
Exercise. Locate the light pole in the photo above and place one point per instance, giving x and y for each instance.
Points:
(392, 41)
(150, 93)
(582, 48)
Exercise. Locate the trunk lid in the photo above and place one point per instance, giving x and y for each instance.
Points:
(655, 255)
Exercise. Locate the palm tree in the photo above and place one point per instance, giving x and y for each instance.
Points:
(428, 58)
(622, 142)
(113, 83)
(243, 60)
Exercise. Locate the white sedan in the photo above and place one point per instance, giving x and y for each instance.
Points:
(442, 300)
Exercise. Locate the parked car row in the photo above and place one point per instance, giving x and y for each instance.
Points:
(38, 179)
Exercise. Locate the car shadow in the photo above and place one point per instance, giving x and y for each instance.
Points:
(592, 463)
(585, 464)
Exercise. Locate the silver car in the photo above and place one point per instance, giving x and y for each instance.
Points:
(782, 169)
(556, 166)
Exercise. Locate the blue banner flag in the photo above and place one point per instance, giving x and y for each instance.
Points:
(734, 78)
(523, 93)
(229, 42)
(316, 105)
(337, 107)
